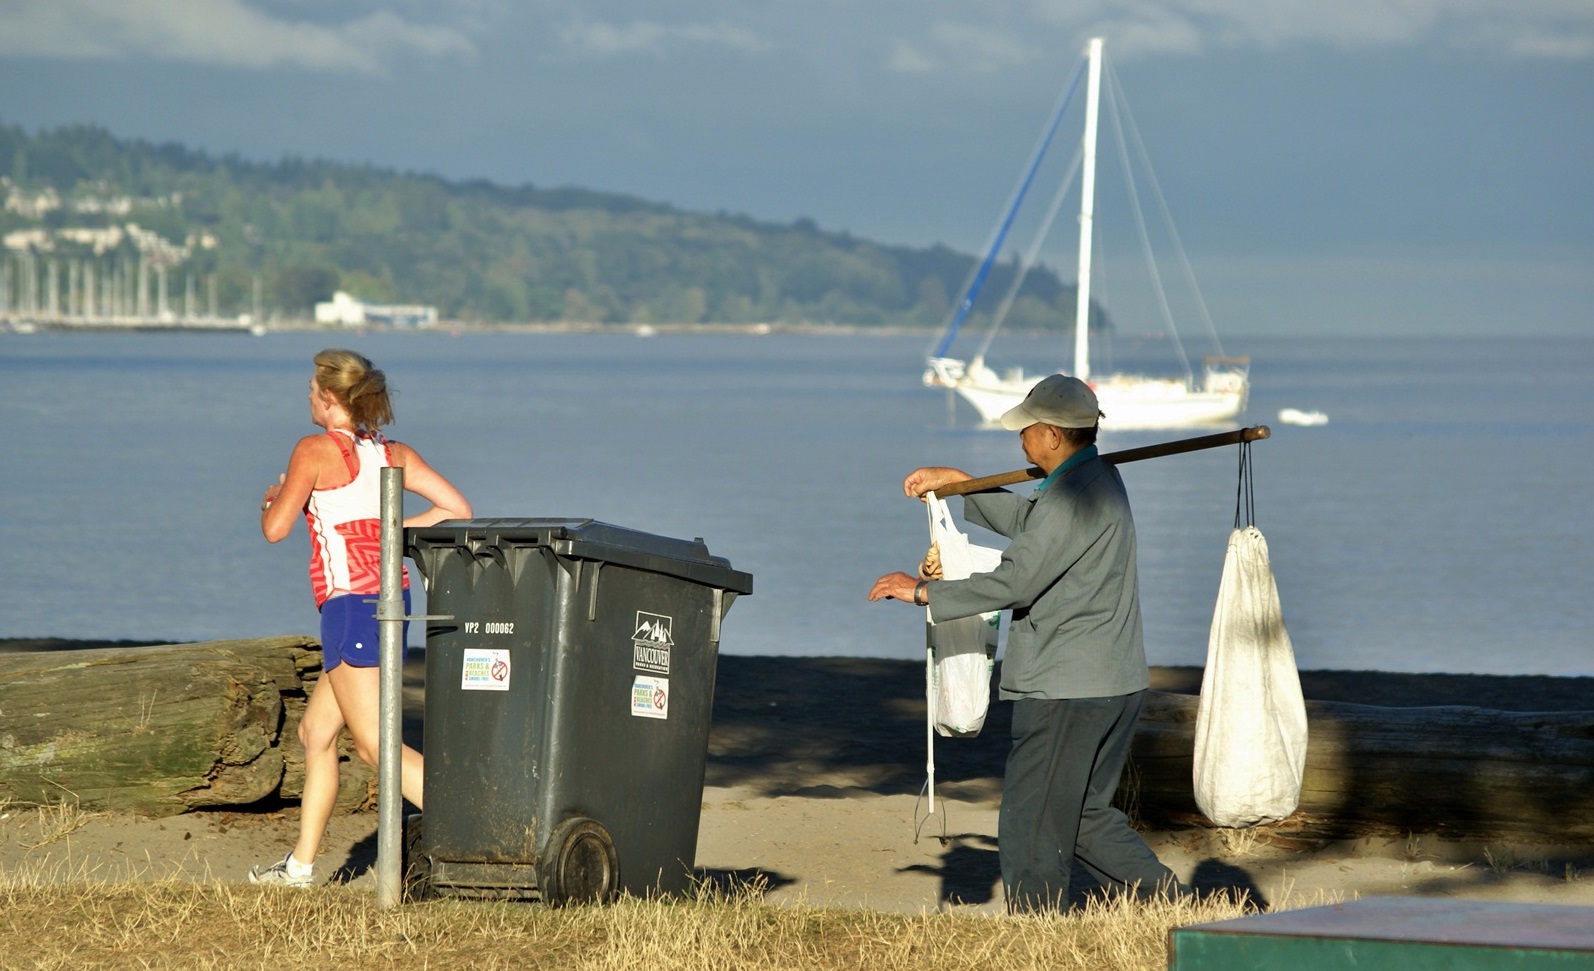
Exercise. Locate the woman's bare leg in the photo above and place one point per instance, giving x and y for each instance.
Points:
(359, 693)
(318, 732)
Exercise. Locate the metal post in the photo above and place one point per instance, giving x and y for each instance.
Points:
(390, 626)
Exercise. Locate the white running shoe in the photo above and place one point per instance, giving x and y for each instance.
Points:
(278, 875)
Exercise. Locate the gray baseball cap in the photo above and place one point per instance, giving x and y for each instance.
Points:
(1058, 399)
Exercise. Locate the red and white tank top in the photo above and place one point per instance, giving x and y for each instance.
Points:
(345, 523)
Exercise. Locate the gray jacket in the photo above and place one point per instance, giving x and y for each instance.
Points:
(1070, 579)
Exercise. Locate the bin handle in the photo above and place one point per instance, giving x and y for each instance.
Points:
(487, 548)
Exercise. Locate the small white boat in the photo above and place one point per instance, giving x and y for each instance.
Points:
(1295, 416)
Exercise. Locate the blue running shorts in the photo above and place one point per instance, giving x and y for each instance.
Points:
(349, 630)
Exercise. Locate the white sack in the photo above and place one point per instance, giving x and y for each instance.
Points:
(1250, 737)
(962, 652)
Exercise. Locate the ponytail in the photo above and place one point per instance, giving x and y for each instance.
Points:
(358, 385)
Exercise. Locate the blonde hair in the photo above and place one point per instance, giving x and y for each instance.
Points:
(357, 384)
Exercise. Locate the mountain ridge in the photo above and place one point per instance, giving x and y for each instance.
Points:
(280, 236)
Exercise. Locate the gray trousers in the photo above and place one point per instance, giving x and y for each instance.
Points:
(1062, 772)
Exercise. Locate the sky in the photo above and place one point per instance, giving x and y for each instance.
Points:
(1356, 168)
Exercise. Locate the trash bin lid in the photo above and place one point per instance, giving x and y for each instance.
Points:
(587, 539)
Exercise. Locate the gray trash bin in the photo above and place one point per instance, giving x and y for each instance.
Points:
(567, 706)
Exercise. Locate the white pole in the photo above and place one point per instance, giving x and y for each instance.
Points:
(1087, 215)
(390, 640)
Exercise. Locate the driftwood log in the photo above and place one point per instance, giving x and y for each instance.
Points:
(163, 729)
(1462, 764)
(1461, 772)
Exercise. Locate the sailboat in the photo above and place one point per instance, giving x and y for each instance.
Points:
(1128, 401)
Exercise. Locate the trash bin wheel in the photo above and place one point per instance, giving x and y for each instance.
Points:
(417, 868)
(579, 864)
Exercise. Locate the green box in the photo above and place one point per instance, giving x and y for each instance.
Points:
(1394, 933)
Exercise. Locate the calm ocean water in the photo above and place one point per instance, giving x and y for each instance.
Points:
(1442, 521)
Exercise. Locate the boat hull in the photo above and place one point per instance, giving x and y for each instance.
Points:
(1128, 402)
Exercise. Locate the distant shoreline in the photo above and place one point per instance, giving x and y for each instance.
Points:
(455, 327)
(15, 324)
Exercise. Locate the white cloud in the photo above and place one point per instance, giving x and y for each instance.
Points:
(1524, 28)
(966, 47)
(229, 33)
(1571, 47)
(907, 59)
(980, 48)
(648, 37)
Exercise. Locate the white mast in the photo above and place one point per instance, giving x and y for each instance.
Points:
(1087, 213)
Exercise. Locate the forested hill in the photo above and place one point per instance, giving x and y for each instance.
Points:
(288, 233)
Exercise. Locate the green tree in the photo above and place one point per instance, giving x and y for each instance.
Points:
(297, 289)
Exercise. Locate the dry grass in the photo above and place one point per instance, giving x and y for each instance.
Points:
(1240, 843)
(55, 822)
(49, 924)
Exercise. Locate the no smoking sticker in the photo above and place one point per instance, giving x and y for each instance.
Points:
(485, 670)
(650, 697)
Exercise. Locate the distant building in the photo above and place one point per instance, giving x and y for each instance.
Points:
(346, 310)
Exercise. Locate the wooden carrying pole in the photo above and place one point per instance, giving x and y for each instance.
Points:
(1251, 434)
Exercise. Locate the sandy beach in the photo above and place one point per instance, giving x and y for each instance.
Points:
(813, 789)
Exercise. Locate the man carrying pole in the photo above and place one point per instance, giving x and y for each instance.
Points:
(1075, 667)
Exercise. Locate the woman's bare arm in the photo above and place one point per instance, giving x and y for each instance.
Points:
(426, 482)
(286, 497)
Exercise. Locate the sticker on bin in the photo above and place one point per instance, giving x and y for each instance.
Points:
(651, 642)
(650, 697)
(485, 670)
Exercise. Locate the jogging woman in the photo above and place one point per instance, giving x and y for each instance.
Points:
(334, 479)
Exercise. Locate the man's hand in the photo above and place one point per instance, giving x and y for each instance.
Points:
(931, 479)
(894, 586)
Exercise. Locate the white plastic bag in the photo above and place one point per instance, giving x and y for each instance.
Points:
(962, 652)
(1250, 736)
